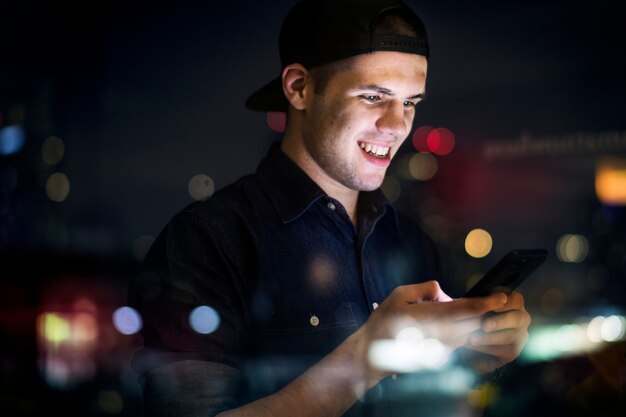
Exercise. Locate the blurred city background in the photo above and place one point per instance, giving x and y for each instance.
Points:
(115, 115)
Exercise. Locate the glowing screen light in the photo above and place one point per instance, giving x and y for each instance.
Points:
(12, 139)
(204, 319)
(127, 320)
(277, 121)
(478, 243)
(610, 181)
(572, 248)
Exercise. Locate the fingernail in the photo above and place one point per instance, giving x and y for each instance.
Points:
(504, 298)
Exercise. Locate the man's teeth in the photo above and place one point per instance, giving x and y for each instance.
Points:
(374, 149)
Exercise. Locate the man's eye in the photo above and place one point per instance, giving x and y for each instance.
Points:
(371, 99)
(409, 103)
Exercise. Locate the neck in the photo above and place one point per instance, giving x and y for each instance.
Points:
(297, 153)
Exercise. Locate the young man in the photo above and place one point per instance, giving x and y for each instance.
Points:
(301, 267)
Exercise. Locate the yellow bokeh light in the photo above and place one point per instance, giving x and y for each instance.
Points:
(423, 166)
(611, 181)
(58, 187)
(391, 188)
(55, 328)
(52, 150)
(478, 243)
(572, 248)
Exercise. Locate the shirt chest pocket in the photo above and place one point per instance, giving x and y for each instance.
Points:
(308, 327)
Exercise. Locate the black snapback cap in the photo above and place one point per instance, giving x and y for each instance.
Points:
(317, 32)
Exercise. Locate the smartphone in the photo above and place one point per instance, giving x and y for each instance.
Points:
(509, 272)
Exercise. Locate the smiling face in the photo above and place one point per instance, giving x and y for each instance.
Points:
(351, 130)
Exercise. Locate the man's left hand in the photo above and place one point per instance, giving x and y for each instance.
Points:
(502, 337)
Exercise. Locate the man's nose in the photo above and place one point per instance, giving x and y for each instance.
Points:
(393, 119)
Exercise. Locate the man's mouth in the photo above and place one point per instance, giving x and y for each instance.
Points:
(375, 150)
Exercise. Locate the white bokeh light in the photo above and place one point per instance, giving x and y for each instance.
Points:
(204, 319)
(127, 320)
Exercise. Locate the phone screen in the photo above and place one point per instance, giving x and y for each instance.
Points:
(509, 272)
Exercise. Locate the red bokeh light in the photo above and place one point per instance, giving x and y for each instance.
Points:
(440, 141)
(420, 138)
(277, 121)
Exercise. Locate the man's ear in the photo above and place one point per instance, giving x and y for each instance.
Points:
(296, 85)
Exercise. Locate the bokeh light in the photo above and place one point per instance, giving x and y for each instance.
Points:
(84, 328)
(55, 329)
(440, 141)
(408, 354)
(52, 150)
(420, 138)
(58, 187)
(110, 402)
(572, 248)
(12, 139)
(610, 181)
(423, 167)
(391, 188)
(201, 187)
(427, 139)
(127, 320)
(613, 328)
(594, 329)
(478, 243)
(277, 121)
(204, 319)
(569, 337)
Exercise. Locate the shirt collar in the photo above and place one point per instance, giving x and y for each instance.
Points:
(292, 191)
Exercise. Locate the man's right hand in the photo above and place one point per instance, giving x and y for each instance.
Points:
(426, 307)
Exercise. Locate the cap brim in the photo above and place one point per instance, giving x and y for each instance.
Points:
(268, 98)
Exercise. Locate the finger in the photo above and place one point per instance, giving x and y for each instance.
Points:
(446, 330)
(508, 320)
(422, 292)
(515, 301)
(482, 341)
(472, 307)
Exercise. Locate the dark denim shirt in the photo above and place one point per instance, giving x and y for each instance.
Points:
(286, 270)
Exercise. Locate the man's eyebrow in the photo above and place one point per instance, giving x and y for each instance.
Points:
(388, 92)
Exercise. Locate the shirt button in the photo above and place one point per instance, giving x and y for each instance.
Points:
(330, 205)
(314, 321)
(374, 306)
(374, 209)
